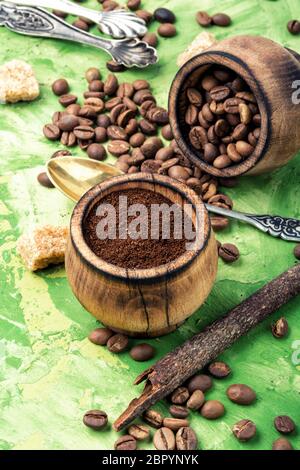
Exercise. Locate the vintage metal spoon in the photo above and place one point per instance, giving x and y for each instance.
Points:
(73, 176)
(38, 22)
(117, 23)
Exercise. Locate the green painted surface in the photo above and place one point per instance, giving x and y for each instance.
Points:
(50, 373)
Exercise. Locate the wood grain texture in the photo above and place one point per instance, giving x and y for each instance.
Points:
(139, 302)
(270, 70)
(177, 366)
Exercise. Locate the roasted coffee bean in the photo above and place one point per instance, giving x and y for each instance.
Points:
(140, 84)
(145, 106)
(66, 100)
(44, 180)
(198, 137)
(122, 166)
(284, 424)
(208, 82)
(244, 430)
(219, 223)
(100, 135)
(178, 411)
(149, 128)
(61, 153)
(142, 352)
(180, 396)
(109, 5)
(209, 189)
(95, 419)
(240, 131)
(212, 409)
(151, 39)
(136, 157)
(247, 96)
(229, 252)
(158, 115)
(196, 400)
(244, 148)
(125, 117)
(116, 111)
(111, 85)
(293, 26)
(118, 147)
(194, 96)
(92, 74)
(60, 87)
(166, 132)
(241, 394)
(57, 116)
(130, 104)
(233, 153)
(113, 103)
(219, 369)
(68, 138)
(212, 136)
(143, 95)
(125, 89)
(282, 444)
(96, 152)
(164, 154)
(222, 161)
(186, 439)
(100, 336)
(178, 172)
(84, 144)
(94, 94)
(191, 115)
(96, 103)
(164, 439)
(126, 442)
(199, 382)
(245, 114)
(114, 66)
(217, 108)
(60, 14)
(150, 166)
(221, 127)
(139, 431)
(194, 183)
(80, 24)
(203, 18)
(133, 4)
(117, 343)
(84, 132)
(280, 328)
(132, 127)
(87, 112)
(85, 122)
(175, 423)
(116, 133)
(136, 140)
(233, 119)
(231, 105)
(297, 251)
(51, 131)
(145, 15)
(103, 121)
(203, 122)
(164, 15)
(151, 146)
(68, 122)
(154, 418)
(219, 93)
(221, 19)
(73, 109)
(238, 84)
(167, 30)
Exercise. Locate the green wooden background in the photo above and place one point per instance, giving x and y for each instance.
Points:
(50, 373)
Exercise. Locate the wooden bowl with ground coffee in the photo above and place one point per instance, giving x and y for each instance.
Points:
(234, 109)
(141, 256)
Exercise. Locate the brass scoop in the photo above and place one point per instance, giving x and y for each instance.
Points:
(73, 176)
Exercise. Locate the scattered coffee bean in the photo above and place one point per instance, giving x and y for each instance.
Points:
(199, 382)
(96, 152)
(136, 140)
(118, 147)
(100, 336)
(92, 74)
(68, 139)
(164, 439)
(186, 439)
(44, 180)
(284, 424)
(164, 15)
(175, 423)
(203, 19)
(241, 394)
(100, 135)
(212, 409)
(134, 4)
(145, 15)
(111, 85)
(96, 86)
(297, 251)
(115, 67)
(61, 153)
(229, 252)
(219, 369)
(154, 418)
(117, 343)
(294, 26)
(66, 100)
(151, 39)
(167, 30)
(80, 24)
(68, 122)
(166, 132)
(244, 430)
(126, 442)
(139, 432)
(51, 131)
(282, 444)
(142, 352)
(219, 223)
(84, 132)
(95, 419)
(178, 411)
(60, 87)
(221, 19)
(180, 396)
(280, 328)
(196, 400)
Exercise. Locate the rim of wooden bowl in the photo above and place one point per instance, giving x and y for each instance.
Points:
(206, 60)
(93, 195)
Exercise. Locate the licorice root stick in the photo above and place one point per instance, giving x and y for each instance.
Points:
(176, 367)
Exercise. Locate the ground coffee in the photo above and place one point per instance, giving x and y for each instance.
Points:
(134, 253)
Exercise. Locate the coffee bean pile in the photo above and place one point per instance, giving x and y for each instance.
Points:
(218, 19)
(222, 118)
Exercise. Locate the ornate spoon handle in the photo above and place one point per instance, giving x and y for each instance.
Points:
(37, 22)
(286, 228)
(118, 23)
